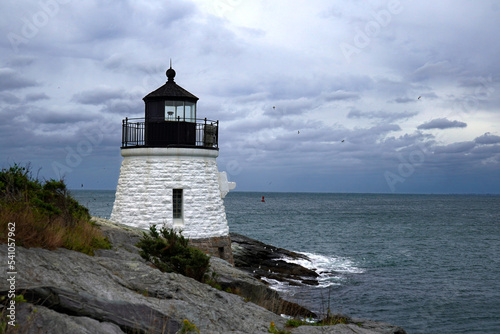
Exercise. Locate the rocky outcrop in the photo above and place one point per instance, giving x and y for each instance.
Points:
(243, 284)
(116, 291)
(262, 260)
(129, 317)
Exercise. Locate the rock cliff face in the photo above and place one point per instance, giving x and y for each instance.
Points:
(117, 292)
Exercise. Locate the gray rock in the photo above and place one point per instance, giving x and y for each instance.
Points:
(116, 291)
(254, 290)
(262, 260)
(118, 287)
(127, 316)
(38, 319)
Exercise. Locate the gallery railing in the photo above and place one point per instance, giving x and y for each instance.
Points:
(199, 133)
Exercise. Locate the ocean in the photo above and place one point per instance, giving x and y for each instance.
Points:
(428, 263)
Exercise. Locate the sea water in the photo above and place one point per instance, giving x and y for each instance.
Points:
(428, 263)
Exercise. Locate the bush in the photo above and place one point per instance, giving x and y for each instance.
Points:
(45, 215)
(169, 252)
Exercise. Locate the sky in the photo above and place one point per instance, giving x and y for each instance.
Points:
(312, 96)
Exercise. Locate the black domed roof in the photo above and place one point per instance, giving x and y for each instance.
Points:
(171, 91)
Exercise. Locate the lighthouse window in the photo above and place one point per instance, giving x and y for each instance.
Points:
(190, 111)
(170, 110)
(177, 203)
(185, 111)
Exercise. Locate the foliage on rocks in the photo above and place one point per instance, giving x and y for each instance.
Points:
(44, 214)
(188, 327)
(168, 251)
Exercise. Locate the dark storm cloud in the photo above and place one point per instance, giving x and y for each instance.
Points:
(12, 80)
(45, 117)
(487, 139)
(460, 147)
(9, 98)
(287, 100)
(441, 123)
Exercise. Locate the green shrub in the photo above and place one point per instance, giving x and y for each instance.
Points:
(168, 251)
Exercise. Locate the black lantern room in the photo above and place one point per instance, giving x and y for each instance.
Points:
(170, 120)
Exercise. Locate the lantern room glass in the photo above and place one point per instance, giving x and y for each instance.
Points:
(190, 111)
(180, 110)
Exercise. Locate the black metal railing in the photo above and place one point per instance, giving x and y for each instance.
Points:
(139, 132)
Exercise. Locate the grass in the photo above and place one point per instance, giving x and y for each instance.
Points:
(43, 214)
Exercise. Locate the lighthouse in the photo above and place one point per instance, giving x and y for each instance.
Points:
(169, 173)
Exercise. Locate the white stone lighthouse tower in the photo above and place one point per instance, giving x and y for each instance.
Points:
(169, 172)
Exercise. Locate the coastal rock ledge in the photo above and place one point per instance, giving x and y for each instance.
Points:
(265, 261)
(117, 292)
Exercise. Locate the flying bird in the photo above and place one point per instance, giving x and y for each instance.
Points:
(274, 107)
(419, 97)
(343, 140)
(298, 132)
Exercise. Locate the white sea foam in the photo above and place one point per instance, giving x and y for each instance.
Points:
(331, 269)
(275, 284)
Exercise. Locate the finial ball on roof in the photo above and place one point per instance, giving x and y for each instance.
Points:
(170, 74)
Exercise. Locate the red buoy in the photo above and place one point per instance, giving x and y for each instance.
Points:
(263, 200)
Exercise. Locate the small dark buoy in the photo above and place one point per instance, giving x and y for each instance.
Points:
(262, 200)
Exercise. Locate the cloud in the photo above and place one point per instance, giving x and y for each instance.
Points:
(9, 98)
(341, 95)
(404, 100)
(460, 147)
(21, 61)
(487, 139)
(98, 96)
(418, 98)
(289, 107)
(11, 80)
(441, 123)
(433, 69)
(382, 115)
(48, 117)
(33, 97)
(92, 62)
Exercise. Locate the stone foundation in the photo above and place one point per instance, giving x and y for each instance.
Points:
(216, 246)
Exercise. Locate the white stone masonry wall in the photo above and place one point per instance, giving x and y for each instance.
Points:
(144, 191)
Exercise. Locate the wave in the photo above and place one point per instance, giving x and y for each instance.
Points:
(332, 270)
